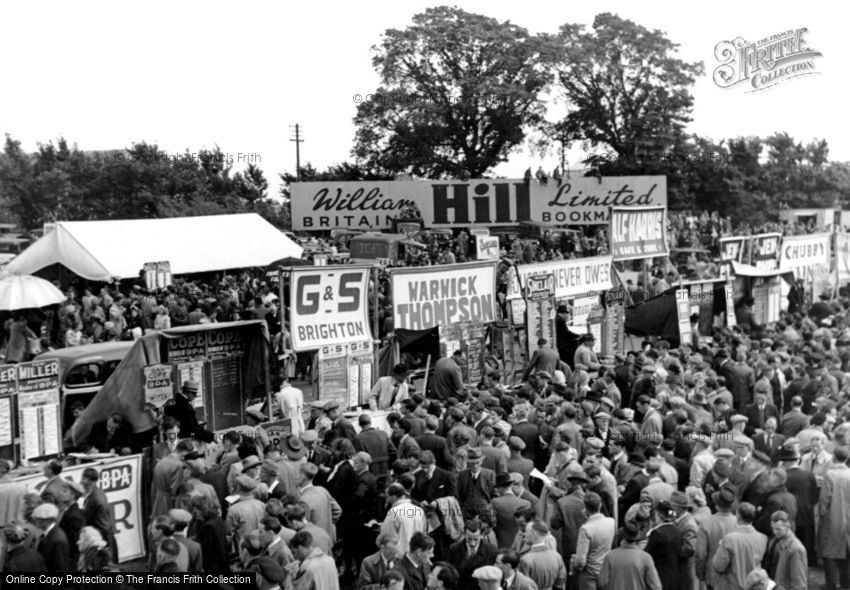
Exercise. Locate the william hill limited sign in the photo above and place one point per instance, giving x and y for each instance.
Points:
(491, 202)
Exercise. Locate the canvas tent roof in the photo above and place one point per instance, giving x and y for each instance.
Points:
(103, 250)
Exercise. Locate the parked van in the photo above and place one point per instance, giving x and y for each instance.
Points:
(83, 370)
(382, 249)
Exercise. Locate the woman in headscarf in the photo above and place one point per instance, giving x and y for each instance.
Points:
(700, 510)
(94, 554)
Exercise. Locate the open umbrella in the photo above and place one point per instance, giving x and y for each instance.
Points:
(28, 292)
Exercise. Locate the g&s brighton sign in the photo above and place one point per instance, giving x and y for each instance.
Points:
(368, 205)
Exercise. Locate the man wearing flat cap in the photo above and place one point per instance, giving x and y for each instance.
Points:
(246, 512)
(53, 546)
(571, 514)
(489, 577)
(339, 424)
(270, 575)
(20, 557)
(545, 358)
(182, 409)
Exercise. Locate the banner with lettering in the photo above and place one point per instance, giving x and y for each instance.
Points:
(329, 305)
(764, 251)
(807, 256)
(576, 277)
(732, 249)
(425, 297)
(120, 480)
(487, 248)
(588, 200)
(842, 256)
(638, 232)
(371, 205)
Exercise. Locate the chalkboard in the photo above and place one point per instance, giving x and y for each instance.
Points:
(540, 311)
(333, 379)
(225, 376)
(474, 348)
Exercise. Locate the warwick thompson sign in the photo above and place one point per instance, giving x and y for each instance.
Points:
(490, 202)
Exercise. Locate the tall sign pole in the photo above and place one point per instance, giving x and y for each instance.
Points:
(298, 139)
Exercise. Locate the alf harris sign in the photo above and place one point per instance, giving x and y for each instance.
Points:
(491, 202)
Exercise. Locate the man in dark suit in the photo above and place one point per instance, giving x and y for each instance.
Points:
(470, 553)
(111, 435)
(528, 432)
(71, 517)
(794, 420)
(373, 567)
(544, 359)
(759, 412)
(171, 430)
(565, 339)
(475, 485)
(740, 379)
(182, 410)
(638, 481)
(447, 380)
(375, 442)
(504, 506)
(769, 442)
(53, 547)
(415, 566)
(571, 514)
(98, 510)
(431, 441)
(431, 481)
(804, 487)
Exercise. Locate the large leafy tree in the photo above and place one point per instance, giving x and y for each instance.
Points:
(61, 182)
(624, 86)
(458, 92)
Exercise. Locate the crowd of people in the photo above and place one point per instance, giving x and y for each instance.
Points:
(720, 467)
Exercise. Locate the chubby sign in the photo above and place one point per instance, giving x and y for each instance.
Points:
(329, 305)
(120, 480)
(807, 256)
(638, 232)
(441, 295)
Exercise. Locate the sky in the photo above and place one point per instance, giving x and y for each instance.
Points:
(187, 75)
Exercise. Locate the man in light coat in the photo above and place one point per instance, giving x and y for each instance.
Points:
(740, 551)
(595, 537)
(324, 511)
(316, 570)
(785, 560)
(404, 518)
(834, 522)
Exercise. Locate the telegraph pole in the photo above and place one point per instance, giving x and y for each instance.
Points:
(298, 139)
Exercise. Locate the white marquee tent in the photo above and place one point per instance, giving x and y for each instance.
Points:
(103, 250)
